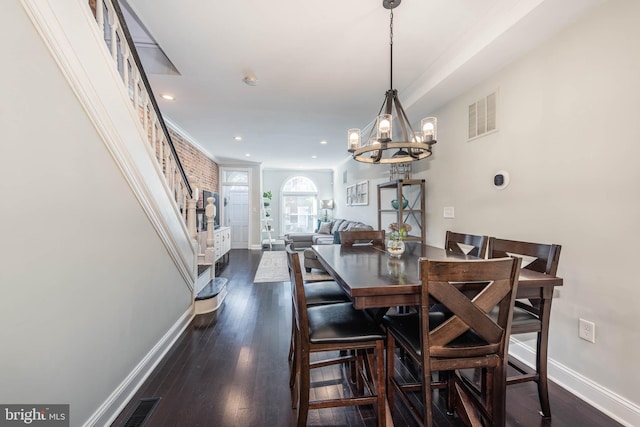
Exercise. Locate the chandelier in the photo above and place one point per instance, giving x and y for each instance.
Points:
(380, 141)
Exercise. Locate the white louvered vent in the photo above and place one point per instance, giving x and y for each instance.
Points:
(482, 116)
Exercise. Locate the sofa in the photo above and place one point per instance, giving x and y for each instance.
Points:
(327, 233)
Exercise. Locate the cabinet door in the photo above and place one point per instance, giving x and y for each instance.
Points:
(217, 245)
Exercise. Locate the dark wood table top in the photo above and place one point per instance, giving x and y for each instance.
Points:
(373, 279)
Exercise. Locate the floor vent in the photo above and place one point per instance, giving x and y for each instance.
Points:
(141, 413)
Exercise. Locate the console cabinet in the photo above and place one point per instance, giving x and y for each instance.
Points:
(221, 243)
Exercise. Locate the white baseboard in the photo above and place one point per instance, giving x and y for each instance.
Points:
(615, 406)
(115, 403)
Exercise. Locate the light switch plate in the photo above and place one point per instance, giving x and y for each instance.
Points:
(449, 212)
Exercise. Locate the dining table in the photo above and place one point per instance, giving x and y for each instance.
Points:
(376, 281)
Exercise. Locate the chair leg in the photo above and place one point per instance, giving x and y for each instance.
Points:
(291, 346)
(467, 411)
(380, 384)
(359, 369)
(541, 356)
(427, 392)
(497, 407)
(390, 370)
(305, 385)
(293, 359)
(294, 380)
(541, 365)
(451, 391)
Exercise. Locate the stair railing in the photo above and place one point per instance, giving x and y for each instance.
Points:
(119, 42)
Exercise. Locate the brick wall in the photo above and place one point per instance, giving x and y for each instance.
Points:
(196, 163)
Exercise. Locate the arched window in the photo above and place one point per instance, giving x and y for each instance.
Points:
(299, 205)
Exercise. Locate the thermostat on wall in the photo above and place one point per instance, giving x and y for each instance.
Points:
(501, 180)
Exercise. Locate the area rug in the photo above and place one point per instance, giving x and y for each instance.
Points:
(273, 268)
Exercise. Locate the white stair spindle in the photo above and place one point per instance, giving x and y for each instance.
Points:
(100, 15)
(209, 212)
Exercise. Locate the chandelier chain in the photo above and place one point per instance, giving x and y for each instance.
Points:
(391, 50)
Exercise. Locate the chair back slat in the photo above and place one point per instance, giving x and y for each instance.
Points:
(478, 243)
(498, 281)
(466, 314)
(374, 237)
(545, 260)
(546, 256)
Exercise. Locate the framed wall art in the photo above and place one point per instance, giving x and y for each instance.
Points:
(358, 194)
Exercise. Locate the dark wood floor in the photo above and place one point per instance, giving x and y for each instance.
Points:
(231, 369)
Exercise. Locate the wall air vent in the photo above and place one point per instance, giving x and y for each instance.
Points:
(482, 116)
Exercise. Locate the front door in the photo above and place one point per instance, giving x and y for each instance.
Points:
(235, 205)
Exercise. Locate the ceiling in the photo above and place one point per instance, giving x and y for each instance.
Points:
(322, 66)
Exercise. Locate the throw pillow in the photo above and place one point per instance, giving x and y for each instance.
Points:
(325, 228)
(336, 225)
(345, 225)
(336, 238)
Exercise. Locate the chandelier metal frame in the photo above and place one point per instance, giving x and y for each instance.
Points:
(413, 145)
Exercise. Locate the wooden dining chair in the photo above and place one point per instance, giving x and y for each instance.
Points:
(466, 244)
(532, 315)
(374, 237)
(316, 293)
(468, 339)
(335, 328)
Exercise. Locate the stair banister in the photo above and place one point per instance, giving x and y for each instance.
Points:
(129, 66)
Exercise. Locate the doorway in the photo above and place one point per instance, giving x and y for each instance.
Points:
(235, 205)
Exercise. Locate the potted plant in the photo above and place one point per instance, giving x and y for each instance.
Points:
(395, 242)
(267, 196)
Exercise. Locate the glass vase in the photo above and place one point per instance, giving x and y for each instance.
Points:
(395, 248)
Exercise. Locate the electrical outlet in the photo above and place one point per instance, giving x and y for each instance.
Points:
(587, 330)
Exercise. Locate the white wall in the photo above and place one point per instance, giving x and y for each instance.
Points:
(351, 172)
(570, 138)
(88, 288)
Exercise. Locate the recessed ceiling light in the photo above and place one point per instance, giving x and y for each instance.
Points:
(238, 138)
(250, 80)
(314, 157)
(167, 97)
(248, 155)
(323, 142)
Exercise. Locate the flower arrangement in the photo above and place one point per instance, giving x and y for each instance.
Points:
(399, 231)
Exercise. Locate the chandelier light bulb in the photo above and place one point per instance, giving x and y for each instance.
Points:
(353, 139)
(374, 143)
(384, 127)
(428, 126)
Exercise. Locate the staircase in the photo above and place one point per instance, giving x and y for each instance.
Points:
(208, 291)
(211, 296)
